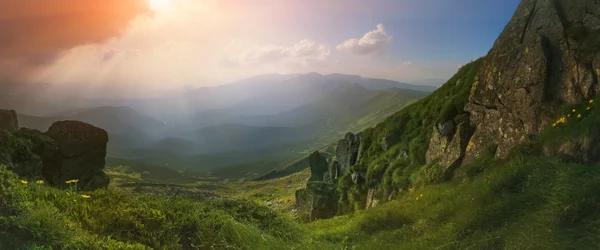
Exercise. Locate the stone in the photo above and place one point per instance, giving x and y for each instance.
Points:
(437, 145)
(447, 128)
(357, 177)
(318, 166)
(545, 57)
(347, 153)
(82, 152)
(8, 120)
(371, 199)
(319, 199)
(455, 151)
(450, 149)
(402, 154)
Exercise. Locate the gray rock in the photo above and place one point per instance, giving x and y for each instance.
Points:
(447, 129)
(547, 55)
(437, 145)
(318, 166)
(347, 152)
(82, 152)
(8, 120)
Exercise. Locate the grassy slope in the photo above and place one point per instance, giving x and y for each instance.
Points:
(529, 201)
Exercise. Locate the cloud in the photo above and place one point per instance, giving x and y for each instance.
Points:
(302, 52)
(35, 32)
(374, 42)
(407, 63)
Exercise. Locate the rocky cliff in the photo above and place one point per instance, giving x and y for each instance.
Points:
(546, 59)
(546, 56)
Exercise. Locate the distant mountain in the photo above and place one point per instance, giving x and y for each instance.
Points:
(125, 126)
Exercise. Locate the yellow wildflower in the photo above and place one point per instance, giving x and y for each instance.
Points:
(591, 101)
(24, 182)
(588, 108)
(569, 115)
(574, 110)
(421, 195)
(417, 198)
(86, 196)
(578, 115)
(72, 181)
(40, 182)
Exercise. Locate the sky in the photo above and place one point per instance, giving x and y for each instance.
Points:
(144, 46)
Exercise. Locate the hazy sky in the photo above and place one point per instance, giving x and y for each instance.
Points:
(92, 44)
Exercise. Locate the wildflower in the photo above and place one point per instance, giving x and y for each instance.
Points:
(24, 182)
(40, 182)
(569, 115)
(574, 110)
(588, 108)
(72, 181)
(417, 198)
(591, 101)
(86, 196)
(421, 195)
(578, 115)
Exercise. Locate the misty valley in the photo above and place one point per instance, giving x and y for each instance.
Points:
(185, 124)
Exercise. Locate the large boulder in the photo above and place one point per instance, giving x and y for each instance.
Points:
(548, 55)
(8, 120)
(347, 153)
(82, 152)
(318, 166)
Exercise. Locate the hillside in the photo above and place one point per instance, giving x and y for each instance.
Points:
(504, 155)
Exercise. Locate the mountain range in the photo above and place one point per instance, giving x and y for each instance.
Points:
(274, 117)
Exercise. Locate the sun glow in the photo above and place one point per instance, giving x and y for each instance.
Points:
(158, 5)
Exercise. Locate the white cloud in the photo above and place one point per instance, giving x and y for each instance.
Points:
(374, 42)
(303, 51)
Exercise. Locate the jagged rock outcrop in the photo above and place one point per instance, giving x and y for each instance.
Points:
(8, 120)
(334, 170)
(546, 56)
(448, 144)
(82, 152)
(318, 167)
(348, 152)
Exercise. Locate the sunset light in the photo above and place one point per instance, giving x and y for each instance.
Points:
(158, 5)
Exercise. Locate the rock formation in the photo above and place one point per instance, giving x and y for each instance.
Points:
(319, 199)
(545, 57)
(448, 144)
(318, 166)
(8, 120)
(347, 153)
(82, 152)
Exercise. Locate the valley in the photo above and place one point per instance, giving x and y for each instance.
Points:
(505, 154)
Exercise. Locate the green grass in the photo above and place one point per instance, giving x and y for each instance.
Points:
(37, 215)
(531, 202)
(414, 125)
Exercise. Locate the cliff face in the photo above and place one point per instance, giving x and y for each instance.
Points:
(546, 59)
(546, 56)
